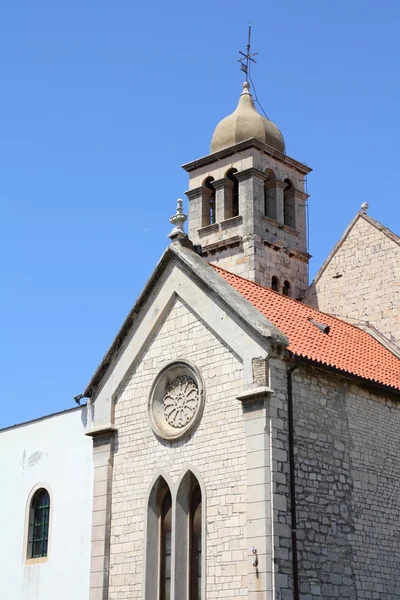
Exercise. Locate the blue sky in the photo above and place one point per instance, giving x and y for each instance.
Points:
(101, 103)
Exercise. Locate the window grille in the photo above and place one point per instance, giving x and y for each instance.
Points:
(39, 524)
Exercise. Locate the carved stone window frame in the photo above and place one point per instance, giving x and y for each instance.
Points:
(174, 372)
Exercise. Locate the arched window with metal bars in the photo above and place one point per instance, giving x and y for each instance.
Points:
(39, 519)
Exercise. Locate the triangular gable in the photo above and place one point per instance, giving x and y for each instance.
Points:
(180, 273)
(360, 215)
(334, 251)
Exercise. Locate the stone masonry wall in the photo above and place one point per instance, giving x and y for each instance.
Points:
(362, 280)
(254, 260)
(347, 455)
(217, 449)
(253, 245)
(374, 425)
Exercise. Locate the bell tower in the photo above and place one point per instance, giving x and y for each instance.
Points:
(247, 202)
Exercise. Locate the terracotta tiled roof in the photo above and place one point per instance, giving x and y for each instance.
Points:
(345, 347)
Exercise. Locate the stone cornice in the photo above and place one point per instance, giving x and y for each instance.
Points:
(280, 184)
(250, 143)
(251, 172)
(195, 192)
(221, 183)
(301, 195)
(231, 222)
(232, 241)
(298, 194)
(276, 244)
(207, 229)
(102, 430)
(272, 221)
(254, 394)
(304, 256)
(290, 230)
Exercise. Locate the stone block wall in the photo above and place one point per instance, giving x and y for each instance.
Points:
(217, 449)
(251, 244)
(361, 281)
(347, 457)
(256, 261)
(374, 426)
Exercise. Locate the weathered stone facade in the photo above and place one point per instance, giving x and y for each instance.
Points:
(347, 488)
(298, 465)
(216, 451)
(291, 453)
(251, 244)
(239, 451)
(347, 474)
(360, 280)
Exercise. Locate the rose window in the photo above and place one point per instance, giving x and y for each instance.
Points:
(176, 400)
(180, 401)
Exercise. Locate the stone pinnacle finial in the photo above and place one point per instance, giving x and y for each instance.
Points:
(364, 207)
(178, 220)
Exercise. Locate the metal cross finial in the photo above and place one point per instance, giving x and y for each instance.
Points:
(247, 58)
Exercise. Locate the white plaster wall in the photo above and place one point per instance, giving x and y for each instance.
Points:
(53, 451)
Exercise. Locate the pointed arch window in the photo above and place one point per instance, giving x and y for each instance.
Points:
(190, 539)
(166, 547)
(289, 209)
(39, 518)
(270, 207)
(209, 202)
(232, 210)
(159, 541)
(175, 535)
(195, 544)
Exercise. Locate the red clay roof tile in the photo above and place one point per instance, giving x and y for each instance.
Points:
(345, 347)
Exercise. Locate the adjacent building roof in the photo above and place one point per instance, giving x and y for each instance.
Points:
(346, 347)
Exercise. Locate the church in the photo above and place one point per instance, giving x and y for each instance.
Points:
(240, 439)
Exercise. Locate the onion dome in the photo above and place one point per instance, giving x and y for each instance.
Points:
(245, 123)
